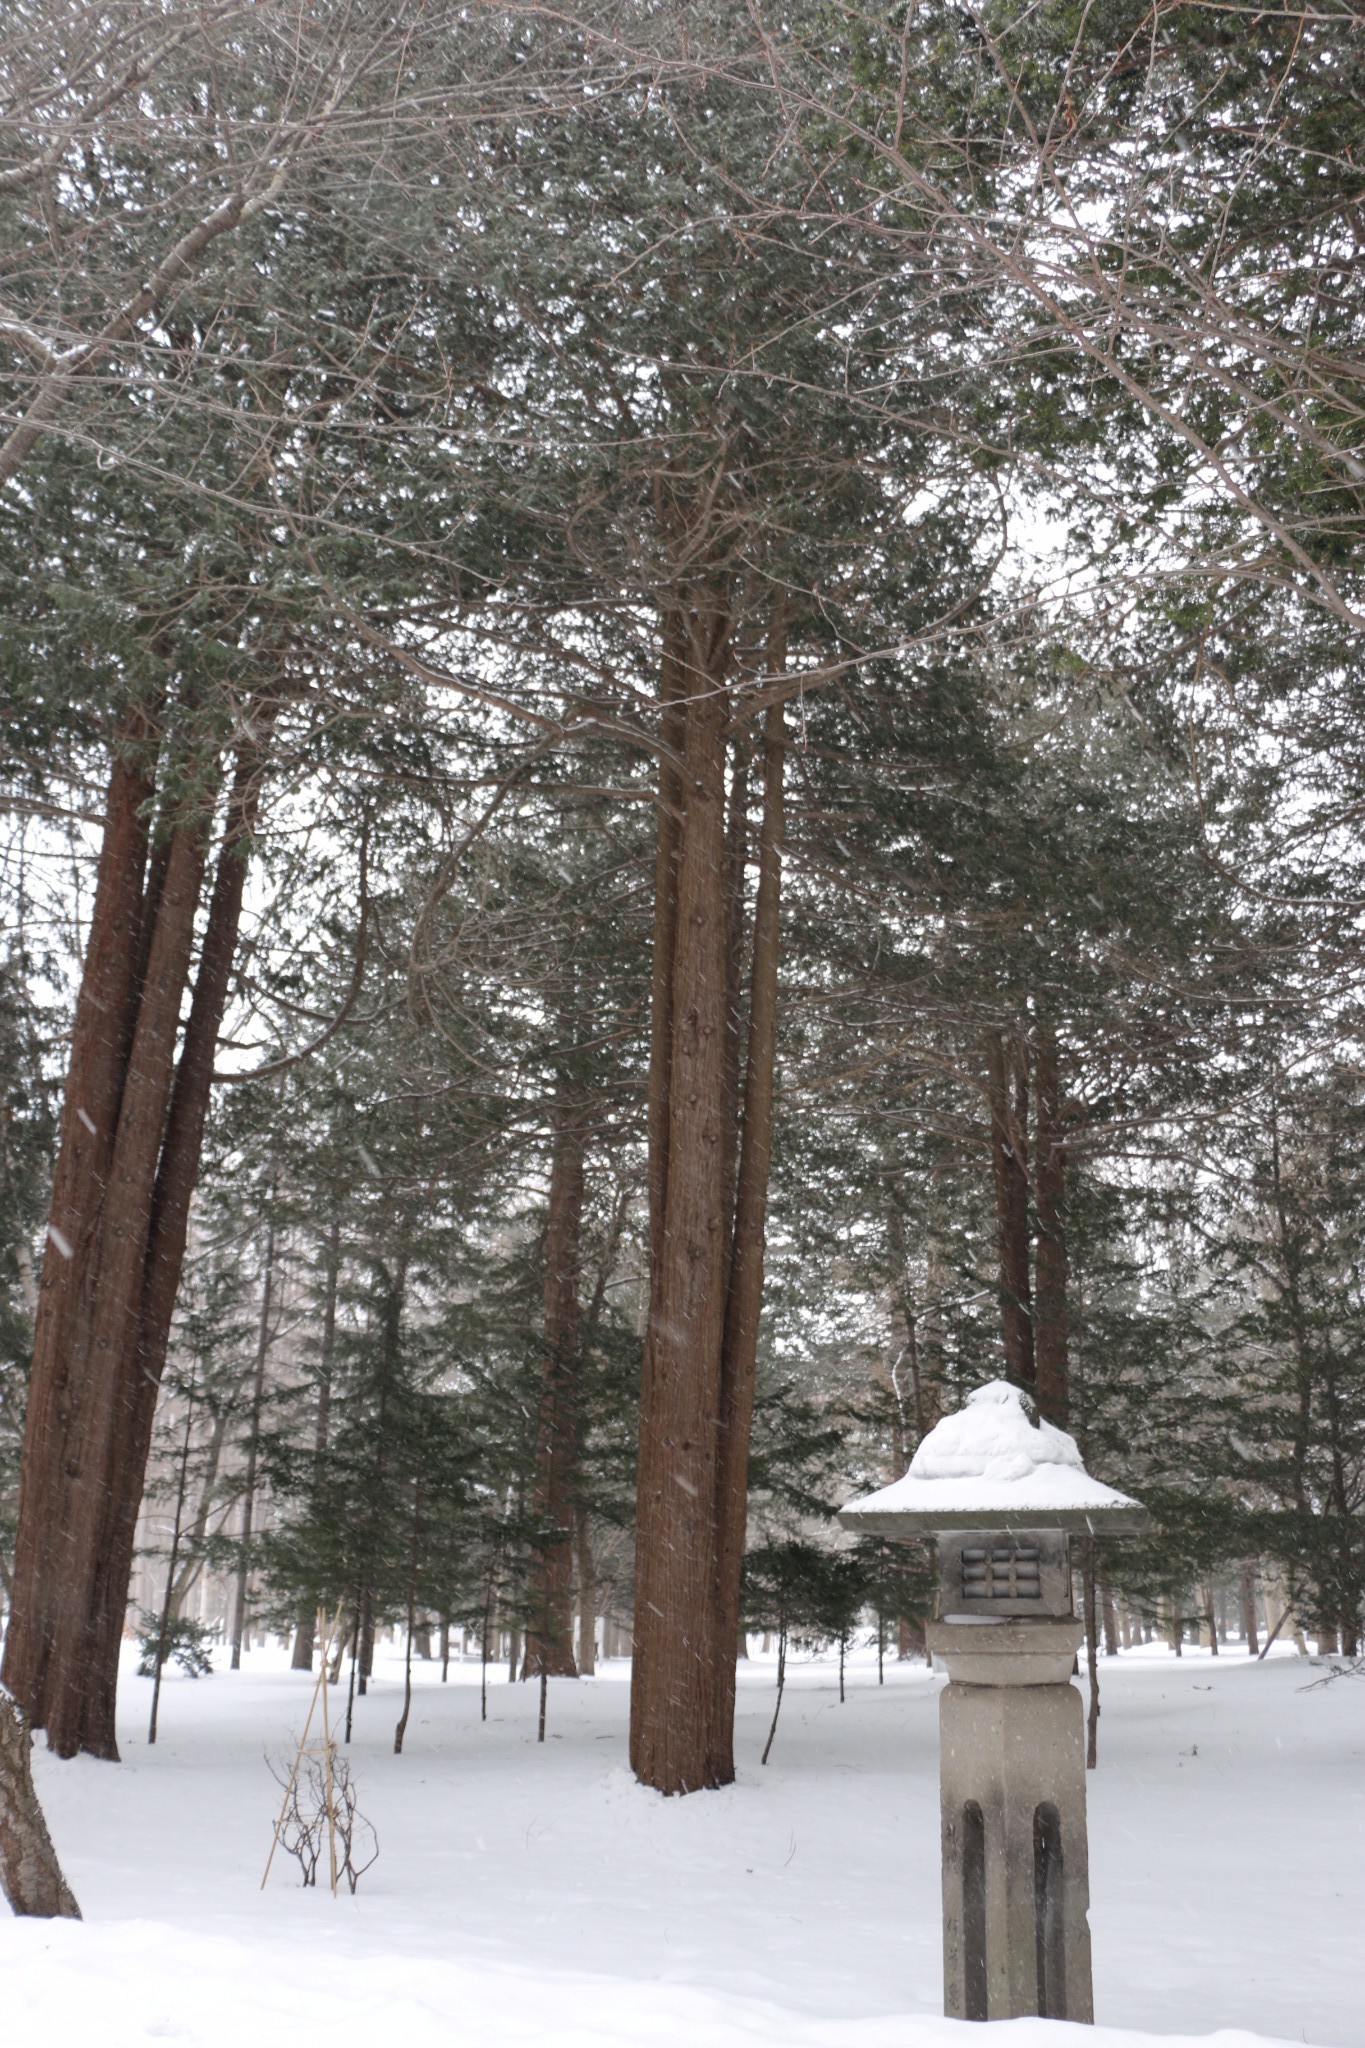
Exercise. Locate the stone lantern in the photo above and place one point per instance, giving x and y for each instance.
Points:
(1003, 1493)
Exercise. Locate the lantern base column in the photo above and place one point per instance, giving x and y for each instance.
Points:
(1016, 1894)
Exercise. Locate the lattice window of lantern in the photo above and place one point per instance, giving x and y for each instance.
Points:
(1002, 1571)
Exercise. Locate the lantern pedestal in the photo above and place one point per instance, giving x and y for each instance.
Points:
(1002, 1493)
(1016, 1939)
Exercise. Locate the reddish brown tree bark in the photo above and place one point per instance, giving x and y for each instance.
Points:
(744, 1294)
(100, 1038)
(708, 1183)
(78, 1472)
(680, 1389)
(668, 841)
(177, 1173)
(736, 849)
(91, 1408)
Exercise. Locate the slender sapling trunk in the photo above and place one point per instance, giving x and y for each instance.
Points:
(781, 1681)
(168, 1603)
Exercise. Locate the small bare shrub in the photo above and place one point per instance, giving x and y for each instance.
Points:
(303, 1829)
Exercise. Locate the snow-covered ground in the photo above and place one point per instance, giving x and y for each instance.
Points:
(528, 1894)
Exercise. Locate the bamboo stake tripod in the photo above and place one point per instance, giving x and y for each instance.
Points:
(326, 1749)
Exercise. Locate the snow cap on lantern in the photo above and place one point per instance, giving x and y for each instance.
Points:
(995, 1463)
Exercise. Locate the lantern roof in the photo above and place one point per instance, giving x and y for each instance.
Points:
(995, 1464)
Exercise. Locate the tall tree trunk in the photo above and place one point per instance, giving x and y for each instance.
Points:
(253, 1450)
(76, 1704)
(305, 1637)
(106, 1009)
(199, 1522)
(414, 1548)
(587, 1595)
(671, 1687)
(668, 843)
(144, 1360)
(930, 1382)
(1109, 1616)
(744, 1295)
(1007, 1094)
(365, 1642)
(306, 1629)
(393, 1286)
(903, 1311)
(1052, 1377)
(549, 1634)
(736, 850)
(93, 1407)
(708, 1193)
(163, 1629)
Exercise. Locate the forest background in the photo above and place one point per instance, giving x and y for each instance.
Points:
(682, 738)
